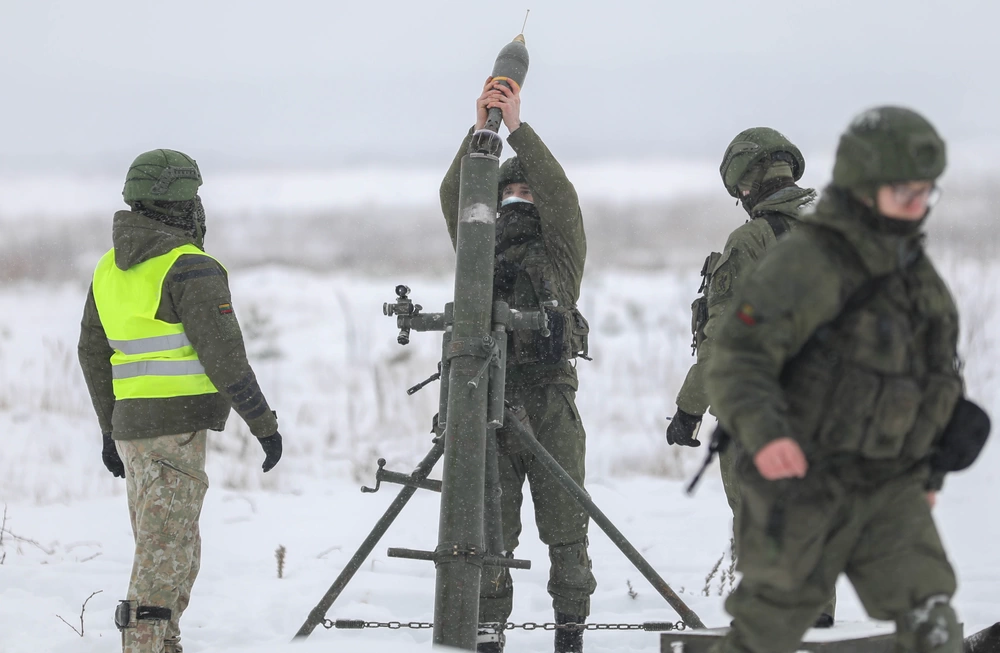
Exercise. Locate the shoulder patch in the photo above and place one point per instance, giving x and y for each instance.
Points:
(722, 280)
(225, 309)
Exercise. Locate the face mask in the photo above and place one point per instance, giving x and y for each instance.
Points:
(514, 198)
(517, 222)
(896, 227)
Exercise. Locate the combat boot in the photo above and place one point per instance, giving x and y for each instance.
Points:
(490, 640)
(145, 637)
(824, 620)
(569, 640)
(984, 641)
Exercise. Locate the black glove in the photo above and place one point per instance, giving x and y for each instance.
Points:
(272, 450)
(111, 458)
(683, 429)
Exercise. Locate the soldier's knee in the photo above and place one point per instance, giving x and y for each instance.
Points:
(571, 566)
(930, 627)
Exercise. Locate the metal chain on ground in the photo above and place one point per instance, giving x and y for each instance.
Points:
(357, 624)
(649, 626)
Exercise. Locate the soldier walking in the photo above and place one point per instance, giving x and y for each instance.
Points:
(760, 168)
(836, 371)
(164, 361)
(540, 252)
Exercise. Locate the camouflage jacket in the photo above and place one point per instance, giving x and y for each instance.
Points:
(845, 339)
(195, 293)
(723, 275)
(563, 238)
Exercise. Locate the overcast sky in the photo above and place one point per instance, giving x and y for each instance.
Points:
(254, 83)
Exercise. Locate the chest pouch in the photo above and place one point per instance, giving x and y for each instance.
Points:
(569, 332)
(893, 390)
(569, 337)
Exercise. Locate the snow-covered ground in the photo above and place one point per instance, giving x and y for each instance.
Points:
(312, 256)
(328, 362)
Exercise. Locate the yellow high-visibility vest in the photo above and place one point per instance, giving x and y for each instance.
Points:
(152, 358)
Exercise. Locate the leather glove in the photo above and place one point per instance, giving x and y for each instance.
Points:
(272, 451)
(111, 458)
(683, 429)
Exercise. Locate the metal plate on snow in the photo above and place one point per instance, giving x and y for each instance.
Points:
(842, 638)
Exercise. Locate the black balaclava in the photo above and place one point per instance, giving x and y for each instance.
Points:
(518, 223)
(187, 215)
(763, 180)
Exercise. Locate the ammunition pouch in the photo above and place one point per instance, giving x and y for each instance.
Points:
(569, 335)
(129, 612)
(699, 307)
(699, 317)
(852, 389)
(963, 438)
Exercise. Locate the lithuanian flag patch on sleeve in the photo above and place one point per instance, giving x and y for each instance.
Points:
(225, 309)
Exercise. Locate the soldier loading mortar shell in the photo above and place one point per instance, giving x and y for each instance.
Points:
(540, 252)
(472, 370)
(510, 333)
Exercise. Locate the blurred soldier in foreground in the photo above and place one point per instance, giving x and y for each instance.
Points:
(164, 360)
(540, 253)
(760, 168)
(836, 371)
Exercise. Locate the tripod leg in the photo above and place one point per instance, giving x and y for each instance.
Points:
(546, 460)
(422, 470)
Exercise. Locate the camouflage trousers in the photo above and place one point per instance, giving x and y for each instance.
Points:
(166, 483)
(728, 462)
(562, 523)
(795, 538)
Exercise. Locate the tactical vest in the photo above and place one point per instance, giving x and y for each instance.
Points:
(881, 380)
(152, 358)
(699, 307)
(533, 288)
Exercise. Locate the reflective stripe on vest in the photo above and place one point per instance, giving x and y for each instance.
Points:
(149, 345)
(156, 368)
(152, 358)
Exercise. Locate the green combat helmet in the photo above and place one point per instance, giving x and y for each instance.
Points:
(161, 176)
(887, 145)
(752, 146)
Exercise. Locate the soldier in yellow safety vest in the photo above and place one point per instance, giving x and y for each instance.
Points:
(164, 360)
